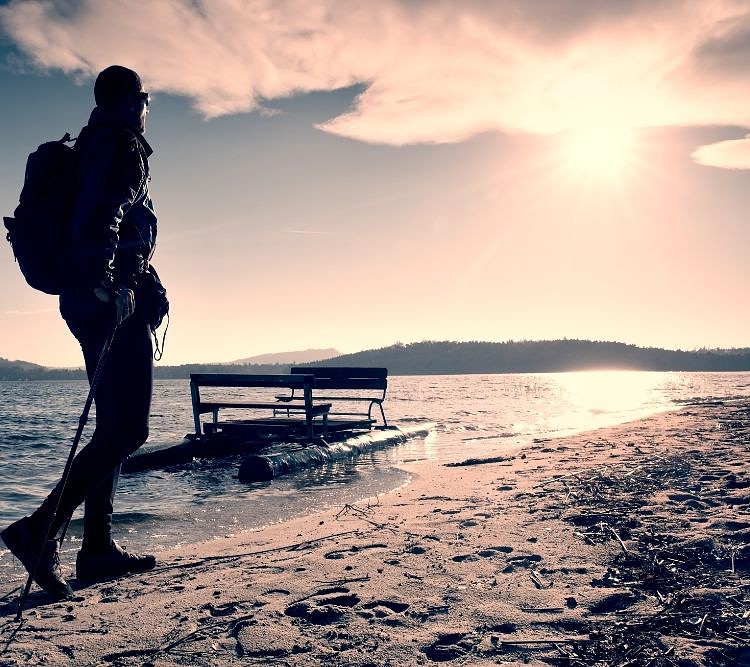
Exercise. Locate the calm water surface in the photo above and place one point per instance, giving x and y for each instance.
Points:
(475, 415)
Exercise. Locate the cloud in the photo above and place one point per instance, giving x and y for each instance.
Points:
(732, 154)
(434, 70)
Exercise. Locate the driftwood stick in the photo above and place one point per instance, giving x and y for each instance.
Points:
(287, 547)
(619, 539)
(341, 582)
(572, 640)
(583, 536)
(165, 648)
(350, 508)
(552, 480)
(197, 634)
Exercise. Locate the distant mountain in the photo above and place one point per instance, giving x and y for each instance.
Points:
(299, 357)
(450, 357)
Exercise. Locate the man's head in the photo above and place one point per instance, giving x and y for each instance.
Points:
(119, 90)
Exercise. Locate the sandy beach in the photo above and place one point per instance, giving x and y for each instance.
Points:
(623, 546)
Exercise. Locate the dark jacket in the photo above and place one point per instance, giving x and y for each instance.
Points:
(113, 224)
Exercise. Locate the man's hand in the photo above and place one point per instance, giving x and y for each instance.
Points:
(124, 301)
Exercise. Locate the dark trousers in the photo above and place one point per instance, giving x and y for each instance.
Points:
(123, 402)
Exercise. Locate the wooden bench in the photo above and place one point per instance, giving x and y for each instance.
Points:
(302, 384)
(373, 381)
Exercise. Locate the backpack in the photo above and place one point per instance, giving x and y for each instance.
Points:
(39, 231)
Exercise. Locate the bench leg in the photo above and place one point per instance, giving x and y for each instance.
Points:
(385, 422)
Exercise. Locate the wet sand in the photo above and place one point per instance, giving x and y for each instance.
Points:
(624, 546)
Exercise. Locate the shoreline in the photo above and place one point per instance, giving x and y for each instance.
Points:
(535, 554)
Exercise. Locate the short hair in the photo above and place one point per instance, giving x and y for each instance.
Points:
(114, 84)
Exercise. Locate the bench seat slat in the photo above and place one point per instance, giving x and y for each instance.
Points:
(285, 398)
(317, 408)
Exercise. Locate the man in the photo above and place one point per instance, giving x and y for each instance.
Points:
(113, 234)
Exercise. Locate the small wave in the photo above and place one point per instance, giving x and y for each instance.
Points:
(497, 436)
(126, 518)
(704, 400)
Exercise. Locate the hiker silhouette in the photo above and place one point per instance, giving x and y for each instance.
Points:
(113, 289)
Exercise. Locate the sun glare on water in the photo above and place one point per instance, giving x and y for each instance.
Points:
(599, 155)
(597, 398)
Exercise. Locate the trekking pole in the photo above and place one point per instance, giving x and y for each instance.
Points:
(66, 472)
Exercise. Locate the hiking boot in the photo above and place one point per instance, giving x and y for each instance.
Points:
(24, 540)
(112, 561)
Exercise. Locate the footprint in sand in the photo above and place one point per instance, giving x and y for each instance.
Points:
(416, 549)
(385, 608)
(614, 602)
(521, 561)
(730, 525)
(449, 646)
(324, 607)
(737, 499)
(681, 497)
(733, 483)
(226, 609)
(465, 558)
(277, 591)
(502, 628)
(484, 553)
(494, 551)
(565, 624)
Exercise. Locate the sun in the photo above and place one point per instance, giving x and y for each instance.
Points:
(599, 155)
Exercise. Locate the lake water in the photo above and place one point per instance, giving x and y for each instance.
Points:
(474, 415)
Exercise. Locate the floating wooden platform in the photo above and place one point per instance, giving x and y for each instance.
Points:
(267, 459)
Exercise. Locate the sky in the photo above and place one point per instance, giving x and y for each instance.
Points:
(351, 174)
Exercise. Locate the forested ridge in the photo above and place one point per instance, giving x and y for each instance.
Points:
(450, 357)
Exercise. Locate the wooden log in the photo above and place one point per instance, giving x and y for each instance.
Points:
(269, 465)
(283, 457)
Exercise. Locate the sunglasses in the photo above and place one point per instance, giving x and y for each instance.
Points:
(144, 97)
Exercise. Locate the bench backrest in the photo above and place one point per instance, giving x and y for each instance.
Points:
(345, 377)
(296, 380)
(302, 382)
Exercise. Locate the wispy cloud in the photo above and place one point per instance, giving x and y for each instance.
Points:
(732, 154)
(438, 71)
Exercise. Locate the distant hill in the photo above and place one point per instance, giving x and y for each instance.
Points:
(449, 357)
(24, 370)
(299, 357)
(7, 363)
